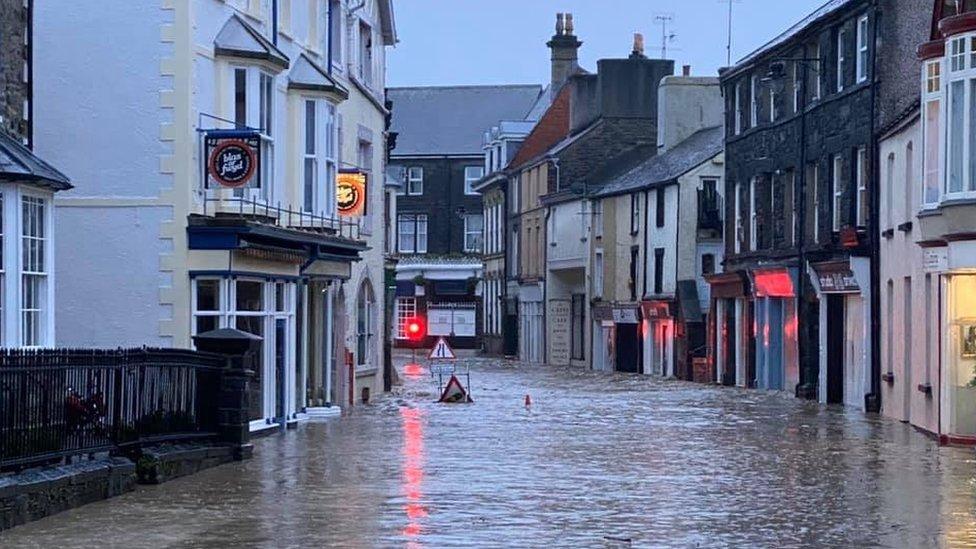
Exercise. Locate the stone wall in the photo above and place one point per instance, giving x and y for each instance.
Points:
(14, 90)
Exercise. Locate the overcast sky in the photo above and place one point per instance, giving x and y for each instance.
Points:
(448, 42)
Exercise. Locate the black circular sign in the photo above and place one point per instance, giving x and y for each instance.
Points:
(232, 163)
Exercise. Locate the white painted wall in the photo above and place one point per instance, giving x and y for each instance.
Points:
(663, 237)
(567, 233)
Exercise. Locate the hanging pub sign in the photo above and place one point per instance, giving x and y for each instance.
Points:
(233, 159)
(351, 188)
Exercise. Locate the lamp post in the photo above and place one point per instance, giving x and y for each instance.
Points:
(809, 378)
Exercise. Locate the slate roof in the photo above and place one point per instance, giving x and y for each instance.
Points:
(452, 120)
(18, 163)
(670, 165)
(305, 74)
(823, 11)
(237, 38)
(551, 129)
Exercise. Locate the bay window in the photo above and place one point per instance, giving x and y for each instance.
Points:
(960, 149)
(34, 266)
(319, 158)
(253, 107)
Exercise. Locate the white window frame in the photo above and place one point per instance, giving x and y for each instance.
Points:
(470, 179)
(406, 308)
(816, 202)
(738, 108)
(260, 91)
(862, 48)
(415, 181)
(337, 18)
(861, 199)
(598, 273)
(933, 92)
(797, 86)
(821, 66)
(754, 101)
(837, 190)
(35, 266)
(474, 233)
(841, 58)
(417, 222)
(772, 105)
(739, 230)
(365, 329)
(635, 213)
(962, 72)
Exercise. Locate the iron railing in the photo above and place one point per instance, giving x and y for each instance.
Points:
(261, 211)
(59, 403)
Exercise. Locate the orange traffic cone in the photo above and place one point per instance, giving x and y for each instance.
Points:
(528, 401)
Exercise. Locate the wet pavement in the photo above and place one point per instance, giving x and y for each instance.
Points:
(597, 460)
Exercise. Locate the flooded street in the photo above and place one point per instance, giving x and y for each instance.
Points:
(595, 461)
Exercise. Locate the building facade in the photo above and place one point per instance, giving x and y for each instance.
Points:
(248, 193)
(27, 188)
(440, 217)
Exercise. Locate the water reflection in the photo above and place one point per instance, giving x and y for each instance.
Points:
(413, 472)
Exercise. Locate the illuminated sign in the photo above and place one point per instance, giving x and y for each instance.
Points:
(233, 159)
(351, 193)
(773, 284)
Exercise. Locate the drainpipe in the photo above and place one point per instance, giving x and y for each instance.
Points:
(872, 402)
(330, 13)
(329, 359)
(274, 22)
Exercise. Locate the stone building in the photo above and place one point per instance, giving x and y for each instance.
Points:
(27, 188)
(233, 162)
(440, 216)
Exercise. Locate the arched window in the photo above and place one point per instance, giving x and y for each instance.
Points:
(365, 324)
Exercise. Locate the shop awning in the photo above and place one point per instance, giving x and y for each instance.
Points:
(779, 282)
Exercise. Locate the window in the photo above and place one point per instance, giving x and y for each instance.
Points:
(818, 74)
(310, 166)
(658, 271)
(634, 213)
(813, 183)
(862, 187)
(753, 215)
(659, 207)
(579, 325)
(957, 122)
(366, 54)
(837, 189)
(841, 59)
(739, 230)
(909, 179)
(597, 218)
(365, 326)
(259, 116)
(634, 258)
(412, 231)
(957, 55)
(862, 49)
(797, 85)
(471, 176)
(335, 32)
(474, 226)
(775, 180)
(789, 200)
(34, 267)
(240, 98)
(889, 189)
(772, 104)
(415, 181)
(707, 264)
(932, 134)
(598, 274)
(266, 116)
(754, 102)
(738, 108)
(406, 309)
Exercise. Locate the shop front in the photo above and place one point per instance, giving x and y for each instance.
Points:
(843, 289)
(730, 329)
(775, 319)
(658, 337)
(617, 338)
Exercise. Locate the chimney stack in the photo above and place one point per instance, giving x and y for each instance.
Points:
(565, 51)
(686, 70)
(638, 52)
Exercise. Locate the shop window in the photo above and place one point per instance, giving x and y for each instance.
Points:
(961, 357)
(406, 308)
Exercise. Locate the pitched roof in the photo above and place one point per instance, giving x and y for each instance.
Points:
(551, 129)
(452, 120)
(237, 38)
(305, 74)
(18, 163)
(670, 165)
(823, 11)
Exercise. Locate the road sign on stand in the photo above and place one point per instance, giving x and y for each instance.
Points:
(442, 351)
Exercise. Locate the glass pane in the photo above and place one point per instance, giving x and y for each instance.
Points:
(206, 323)
(961, 381)
(972, 135)
(310, 127)
(255, 325)
(933, 136)
(250, 295)
(956, 115)
(309, 185)
(208, 295)
(280, 301)
(240, 97)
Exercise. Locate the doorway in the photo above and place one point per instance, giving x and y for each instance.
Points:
(628, 348)
(835, 349)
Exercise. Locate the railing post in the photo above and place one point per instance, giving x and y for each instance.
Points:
(239, 350)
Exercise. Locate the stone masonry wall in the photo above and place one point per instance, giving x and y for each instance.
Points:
(14, 91)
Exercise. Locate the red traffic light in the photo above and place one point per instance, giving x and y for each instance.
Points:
(415, 329)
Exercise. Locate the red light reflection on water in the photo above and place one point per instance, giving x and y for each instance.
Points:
(413, 370)
(413, 469)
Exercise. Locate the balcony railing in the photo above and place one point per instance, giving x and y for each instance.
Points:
(255, 210)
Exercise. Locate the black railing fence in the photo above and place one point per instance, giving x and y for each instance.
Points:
(59, 403)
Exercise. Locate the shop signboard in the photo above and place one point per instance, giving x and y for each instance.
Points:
(935, 260)
(233, 159)
(838, 282)
(351, 192)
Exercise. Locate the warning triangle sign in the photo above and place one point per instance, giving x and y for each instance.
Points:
(454, 392)
(442, 351)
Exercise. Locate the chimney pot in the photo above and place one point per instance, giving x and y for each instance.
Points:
(560, 26)
(569, 24)
(686, 70)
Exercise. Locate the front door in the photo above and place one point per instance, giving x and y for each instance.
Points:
(835, 349)
(280, 365)
(628, 348)
(854, 369)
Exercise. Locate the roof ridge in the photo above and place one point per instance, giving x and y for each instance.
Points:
(464, 86)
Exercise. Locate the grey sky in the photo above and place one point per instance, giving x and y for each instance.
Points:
(444, 42)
